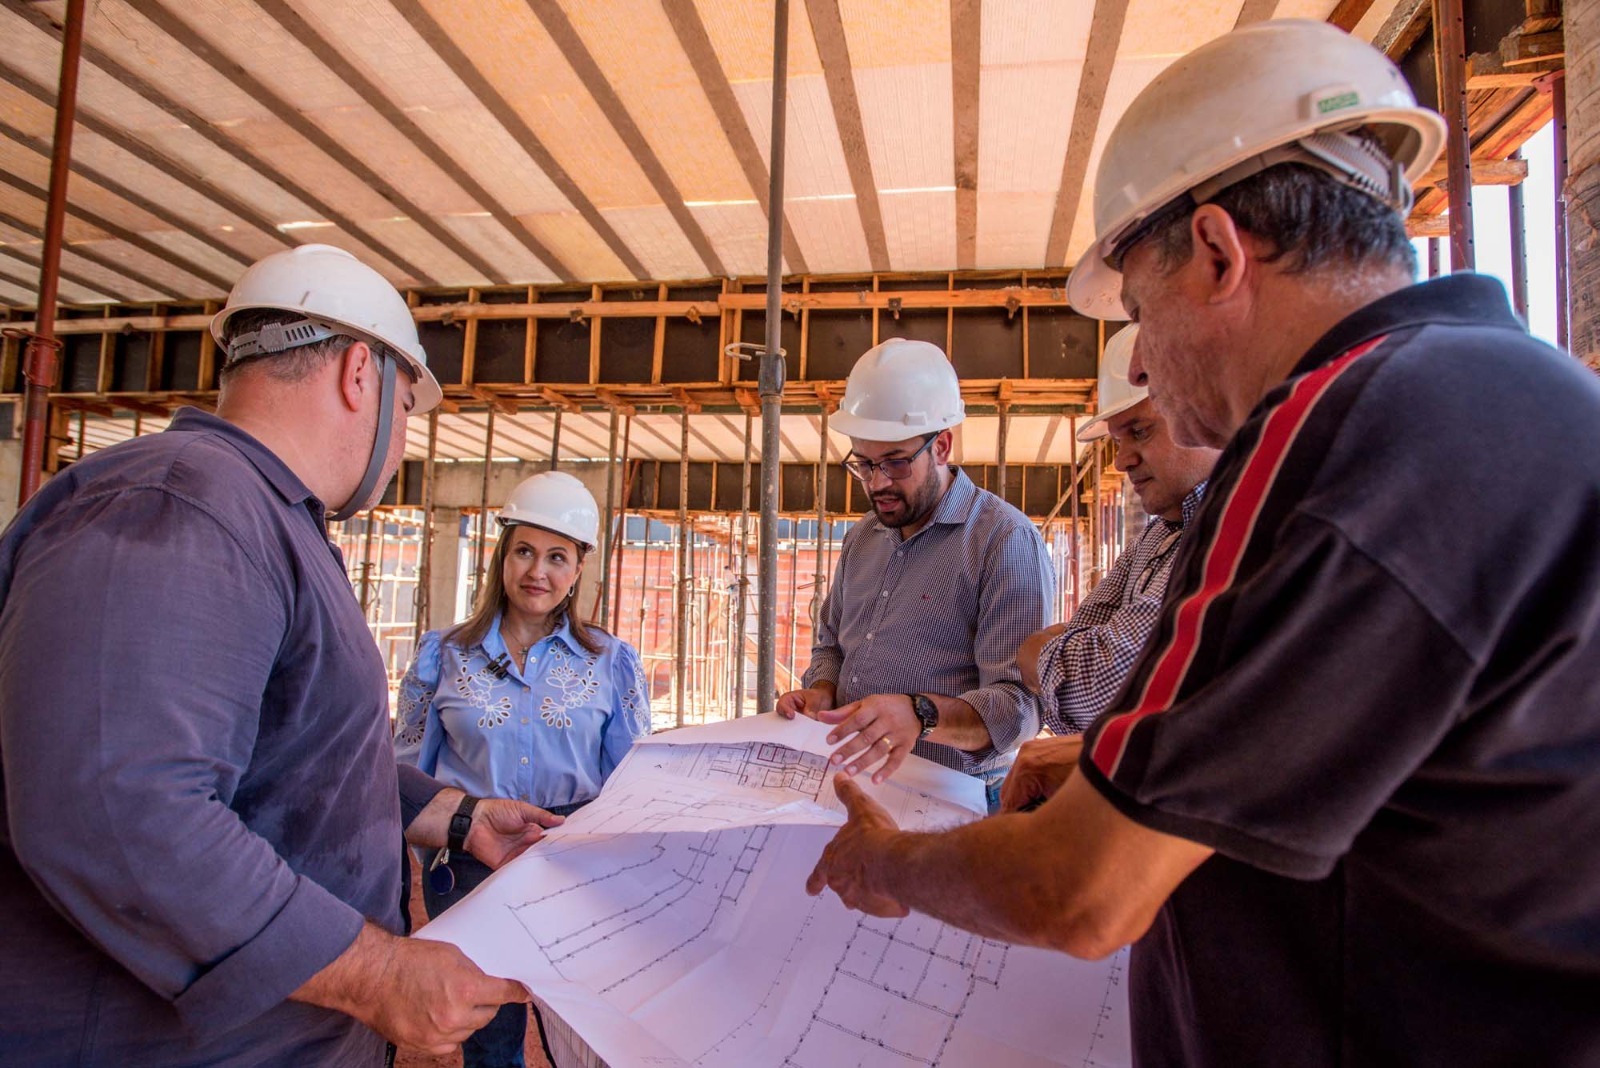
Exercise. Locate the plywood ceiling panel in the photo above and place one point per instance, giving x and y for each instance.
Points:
(741, 32)
(656, 239)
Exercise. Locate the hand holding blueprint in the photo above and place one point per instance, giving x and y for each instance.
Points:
(667, 924)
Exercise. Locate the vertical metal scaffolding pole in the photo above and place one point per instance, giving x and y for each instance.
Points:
(42, 363)
(741, 614)
(608, 536)
(424, 601)
(772, 371)
(1450, 59)
(1072, 430)
(622, 530)
(1434, 266)
(366, 567)
(819, 587)
(1000, 451)
(681, 632)
(480, 540)
(1519, 246)
(555, 442)
(644, 585)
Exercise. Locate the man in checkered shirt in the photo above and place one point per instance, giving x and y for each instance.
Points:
(916, 644)
(1079, 666)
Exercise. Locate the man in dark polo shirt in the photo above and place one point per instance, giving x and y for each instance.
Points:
(200, 854)
(1349, 802)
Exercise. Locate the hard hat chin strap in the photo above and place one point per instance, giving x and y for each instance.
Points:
(380, 441)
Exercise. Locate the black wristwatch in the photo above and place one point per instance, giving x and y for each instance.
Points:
(460, 824)
(926, 711)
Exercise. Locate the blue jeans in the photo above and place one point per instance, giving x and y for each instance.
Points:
(498, 1044)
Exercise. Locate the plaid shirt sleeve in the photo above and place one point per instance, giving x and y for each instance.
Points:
(1082, 669)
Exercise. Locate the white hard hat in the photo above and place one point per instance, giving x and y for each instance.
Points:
(1209, 120)
(557, 502)
(332, 289)
(1116, 393)
(899, 389)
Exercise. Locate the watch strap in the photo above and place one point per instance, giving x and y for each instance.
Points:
(926, 711)
(461, 824)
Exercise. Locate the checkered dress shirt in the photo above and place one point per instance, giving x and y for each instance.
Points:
(1082, 669)
(941, 612)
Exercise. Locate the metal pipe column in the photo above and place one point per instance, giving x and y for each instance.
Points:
(42, 362)
(742, 613)
(608, 536)
(772, 371)
(621, 531)
(685, 578)
(819, 587)
(1519, 246)
(481, 541)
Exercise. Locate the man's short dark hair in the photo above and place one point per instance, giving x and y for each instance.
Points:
(1310, 220)
(292, 365)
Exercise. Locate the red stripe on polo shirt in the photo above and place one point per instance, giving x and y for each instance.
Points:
(1223, 555)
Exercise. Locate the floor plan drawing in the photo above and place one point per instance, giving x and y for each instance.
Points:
(667, 924)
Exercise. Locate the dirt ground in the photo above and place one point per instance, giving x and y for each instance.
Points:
(534, 1054)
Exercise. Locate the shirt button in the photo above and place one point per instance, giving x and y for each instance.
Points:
(524, 760)
(869, 635)
(523, 796)
(899, 552)
(524, 719)
(526, 688)
(885, 593)
(855, 678)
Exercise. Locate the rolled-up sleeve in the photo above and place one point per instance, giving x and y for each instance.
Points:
(130, 718)
(1082, 669)
(1014, 602)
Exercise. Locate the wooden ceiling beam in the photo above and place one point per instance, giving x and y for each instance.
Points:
(125, 235)
(696, 44)
(67, 275)
(582, 62)
(441, 156)
(89, 254)
(130, 79)
(966, 30)
(1105, 35)
(1347, 14)
(491, 99)
(151, 156)
(181, 32)
(827, 27)
(1252, 11)
(138, 200)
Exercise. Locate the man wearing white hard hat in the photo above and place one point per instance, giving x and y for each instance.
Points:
(916, 645)
(201, 856)
(522, 699)
(1348, 804)
(1078, 667)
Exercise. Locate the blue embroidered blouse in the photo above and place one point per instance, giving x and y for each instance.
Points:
(549, 732)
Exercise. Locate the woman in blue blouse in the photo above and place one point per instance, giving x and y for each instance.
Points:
(522, 699)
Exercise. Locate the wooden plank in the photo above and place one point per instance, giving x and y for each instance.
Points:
(497, 105)
(153, 157)
(1405, 25)
(827, 26)
(1346, 14)
(1252, 11)
(138, 200)
(966, 28)
(128, 78)
(1484, 172)
(296, 120)
(696, 44)
(1105, 34)
(92, 256)
(658, 345)
(334, 59)
(469, 345)
(594, 337)
(582, 62)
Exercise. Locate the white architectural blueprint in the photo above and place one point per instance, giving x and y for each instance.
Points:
(667, 924)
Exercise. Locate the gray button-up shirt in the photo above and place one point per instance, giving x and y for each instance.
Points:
(941, 612)
(200, 799)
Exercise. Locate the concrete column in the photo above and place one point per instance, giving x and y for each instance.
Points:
(444, 566)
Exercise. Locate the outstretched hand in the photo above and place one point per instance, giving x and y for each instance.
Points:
(503, 828)
(848, 860)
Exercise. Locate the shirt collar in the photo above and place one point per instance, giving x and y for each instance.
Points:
(275, 471)
(1464, 299)
(954, 508)
(494, 644)
(1191, 503)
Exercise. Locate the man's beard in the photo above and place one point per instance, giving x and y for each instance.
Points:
(916, 502)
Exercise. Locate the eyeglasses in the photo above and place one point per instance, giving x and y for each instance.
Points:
(895, 469)
(1170, 212)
